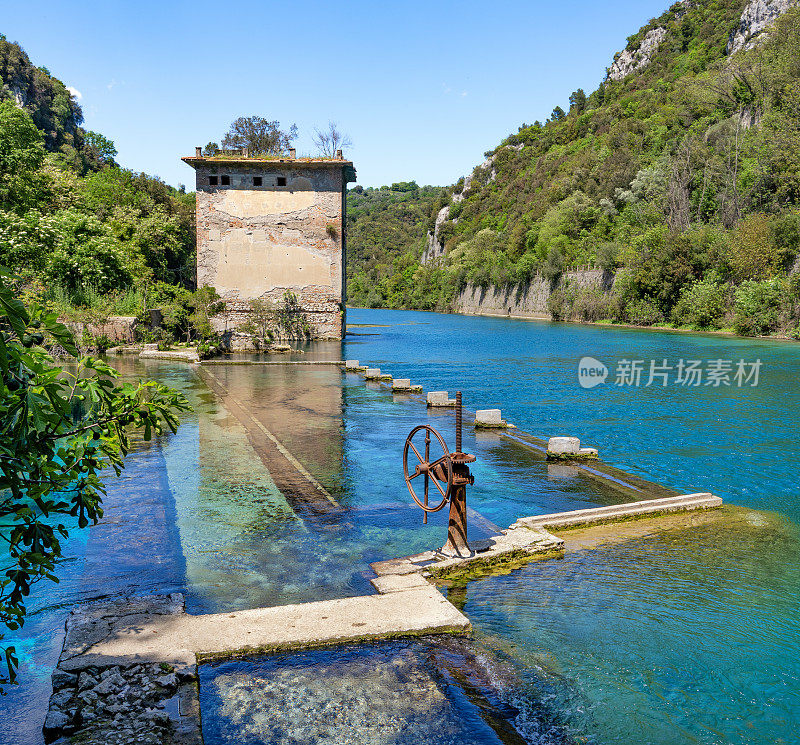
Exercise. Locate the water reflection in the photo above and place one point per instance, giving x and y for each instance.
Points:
(658, 640)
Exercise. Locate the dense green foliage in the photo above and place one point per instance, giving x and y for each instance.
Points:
(683, 178)
(74, 226)
(386, 231)
(63, 428)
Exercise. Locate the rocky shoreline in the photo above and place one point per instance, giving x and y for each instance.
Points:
(117, 701)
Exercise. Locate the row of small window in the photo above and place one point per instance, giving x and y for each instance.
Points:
(226, 181)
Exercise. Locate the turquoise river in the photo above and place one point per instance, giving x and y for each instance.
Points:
(686, 637)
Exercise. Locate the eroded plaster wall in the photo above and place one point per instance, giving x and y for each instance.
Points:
(259, 241)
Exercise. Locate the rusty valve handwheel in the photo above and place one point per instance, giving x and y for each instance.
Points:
(440, 470)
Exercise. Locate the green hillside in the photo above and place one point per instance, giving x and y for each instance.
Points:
(80, 233)
(683, 178)
(386, 231)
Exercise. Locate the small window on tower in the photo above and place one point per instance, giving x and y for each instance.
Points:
(256, 180)
(226, 180)
(212, 180)
(281, 180)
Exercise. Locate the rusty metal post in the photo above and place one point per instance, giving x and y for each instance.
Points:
(457, 524)
(457, 520)
(459, 420)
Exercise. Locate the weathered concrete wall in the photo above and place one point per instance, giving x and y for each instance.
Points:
(116, 328)
(258, 241)
(525, 300)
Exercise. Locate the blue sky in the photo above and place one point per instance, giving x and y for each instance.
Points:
(422, 88)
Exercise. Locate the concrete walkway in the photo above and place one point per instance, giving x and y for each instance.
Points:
(128, 668)
(98, 637)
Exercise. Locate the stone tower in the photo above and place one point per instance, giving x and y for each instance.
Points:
(268, 225)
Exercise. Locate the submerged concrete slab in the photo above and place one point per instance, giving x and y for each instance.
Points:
(517, 544)
(177, 639)
(302, 491)
(681, 503)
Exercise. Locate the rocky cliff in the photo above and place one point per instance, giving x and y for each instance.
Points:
(757, 17)
(631, 60)
(435, 247)
(529, 300)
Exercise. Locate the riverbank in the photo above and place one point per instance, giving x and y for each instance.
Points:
(613, 324)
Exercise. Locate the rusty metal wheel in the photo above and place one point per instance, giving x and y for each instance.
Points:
(439, 471)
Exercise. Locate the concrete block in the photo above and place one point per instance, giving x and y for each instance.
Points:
(680, 503)
(440, 398)
(489, 418)
(403, 385)
(373, 373)
(569, 448)
(352, 365)
(561, 446)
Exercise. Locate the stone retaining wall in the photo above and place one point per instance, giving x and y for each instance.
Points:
(106, 700)
(529, 300)
(116, 328)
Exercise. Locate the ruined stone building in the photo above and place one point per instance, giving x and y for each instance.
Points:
(265, 226)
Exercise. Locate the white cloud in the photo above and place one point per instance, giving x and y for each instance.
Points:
(463, 93)
(76, 94)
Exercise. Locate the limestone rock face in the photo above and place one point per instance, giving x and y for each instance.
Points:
(758, 16)
(630, 61)
(435, 247)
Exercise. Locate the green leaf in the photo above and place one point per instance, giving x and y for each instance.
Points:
(13, 310)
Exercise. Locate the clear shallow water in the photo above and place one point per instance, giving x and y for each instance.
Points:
(687, 637)
(404, 693)
(590, 652)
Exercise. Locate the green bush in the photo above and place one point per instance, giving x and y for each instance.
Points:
(644, 312)
(758, 306)
(701, 304)
(592, 304)
(553, 266)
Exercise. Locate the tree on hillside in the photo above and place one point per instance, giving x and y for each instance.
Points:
(577, 101)
(22, 152)
(100, 147)
(558, 114)
(62, 432)
(330, 140)
(259, 136)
